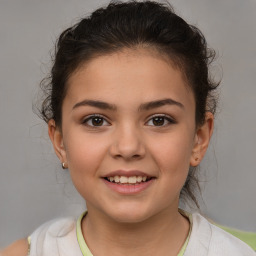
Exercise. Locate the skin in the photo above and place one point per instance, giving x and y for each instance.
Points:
(18, 248)
(129, 139)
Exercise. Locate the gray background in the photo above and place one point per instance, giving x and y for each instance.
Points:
(33, 187)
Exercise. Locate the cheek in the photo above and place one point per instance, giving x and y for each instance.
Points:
(172, 153)
(84, 154)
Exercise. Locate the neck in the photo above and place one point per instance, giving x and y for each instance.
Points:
(161, 234)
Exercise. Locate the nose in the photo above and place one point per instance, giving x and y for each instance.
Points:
(127, 143)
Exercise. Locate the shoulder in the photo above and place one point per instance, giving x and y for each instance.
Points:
(224, 241)
(55, 228)
(18, 248)
(212, 240)
(55, 237)
(45, 236)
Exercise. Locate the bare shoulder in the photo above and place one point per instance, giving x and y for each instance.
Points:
(18, 248)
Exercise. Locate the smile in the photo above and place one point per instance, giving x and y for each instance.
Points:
(129, 185)
(133, 180)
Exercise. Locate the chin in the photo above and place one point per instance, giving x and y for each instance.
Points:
(130, 215)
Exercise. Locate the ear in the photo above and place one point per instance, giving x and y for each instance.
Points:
(202, 139)
(57, 141)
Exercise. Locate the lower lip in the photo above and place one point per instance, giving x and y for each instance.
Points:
(128, 189)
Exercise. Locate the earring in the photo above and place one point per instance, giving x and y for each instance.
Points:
(63, 166)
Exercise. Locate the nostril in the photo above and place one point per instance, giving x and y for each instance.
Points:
(127, 147)
(137, 156)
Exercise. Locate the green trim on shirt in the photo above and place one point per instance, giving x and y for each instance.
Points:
(183, 249)
(83, 246)
(86, 251)
(189, 217)
(29, 244)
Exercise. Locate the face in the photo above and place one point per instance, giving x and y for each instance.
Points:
(128, 134)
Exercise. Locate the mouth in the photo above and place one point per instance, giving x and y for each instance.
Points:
(132, 180)
(128, 182)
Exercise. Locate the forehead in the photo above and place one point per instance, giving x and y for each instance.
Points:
(129, 76)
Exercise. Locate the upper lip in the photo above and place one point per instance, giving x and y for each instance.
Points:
(127, 173)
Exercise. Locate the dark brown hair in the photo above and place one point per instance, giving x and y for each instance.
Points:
(129, 25)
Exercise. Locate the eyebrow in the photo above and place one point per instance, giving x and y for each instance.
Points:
(159, 103)
(95, 103)
(144, 106)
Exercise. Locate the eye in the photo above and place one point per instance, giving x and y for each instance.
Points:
(95, 121)
(161, 120)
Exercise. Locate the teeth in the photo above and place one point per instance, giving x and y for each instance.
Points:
(123, 179)
(116, 178)
(127, 180)
(139, 179)
(132, 180)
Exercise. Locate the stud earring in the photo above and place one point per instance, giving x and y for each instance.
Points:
(63, 166)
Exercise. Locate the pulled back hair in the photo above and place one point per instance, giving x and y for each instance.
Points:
(127, 26)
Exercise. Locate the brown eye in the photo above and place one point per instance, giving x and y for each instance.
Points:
(160, 120)
(95, 121)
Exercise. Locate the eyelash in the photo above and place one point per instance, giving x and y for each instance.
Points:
(166, 117)
(90, 118)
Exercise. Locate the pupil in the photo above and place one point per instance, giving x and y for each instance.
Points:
(158, 121)
(97, 121)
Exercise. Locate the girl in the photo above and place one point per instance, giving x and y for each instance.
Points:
(130, 114)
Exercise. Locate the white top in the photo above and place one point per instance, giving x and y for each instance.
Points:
(59, 238)
(208, 239)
